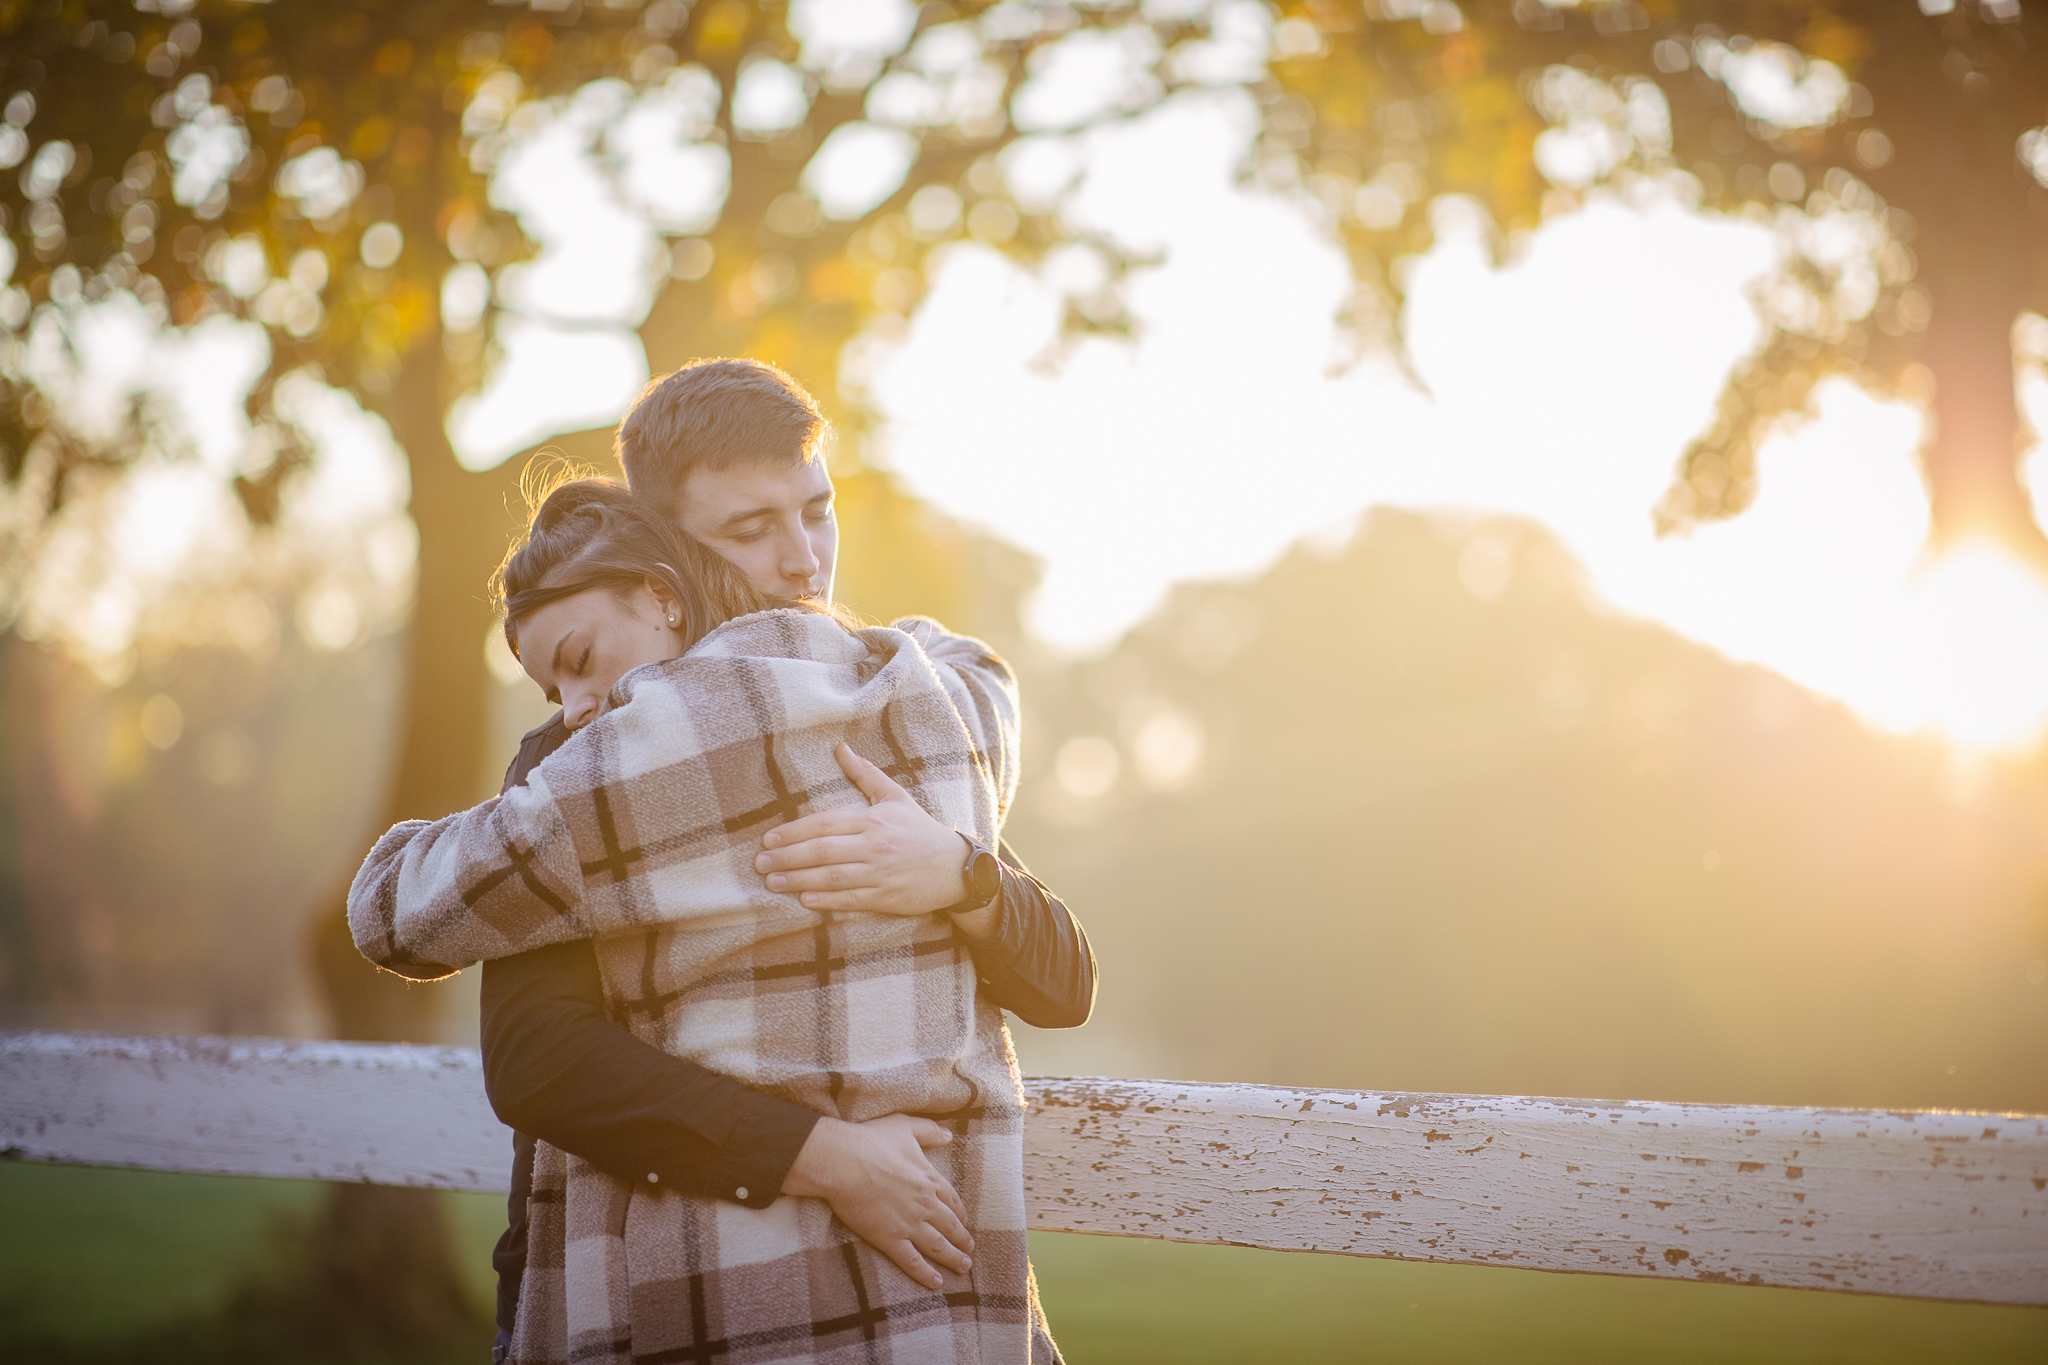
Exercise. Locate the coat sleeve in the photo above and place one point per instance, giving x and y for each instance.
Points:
(620, 829)
(984, 690)
(500, 878)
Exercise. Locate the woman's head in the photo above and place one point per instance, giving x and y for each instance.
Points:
(597, 587)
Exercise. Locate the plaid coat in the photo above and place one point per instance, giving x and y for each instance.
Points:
(640, 833)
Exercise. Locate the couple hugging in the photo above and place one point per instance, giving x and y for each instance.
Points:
(746, 933)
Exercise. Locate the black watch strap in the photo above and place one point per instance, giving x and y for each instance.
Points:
(983, 874)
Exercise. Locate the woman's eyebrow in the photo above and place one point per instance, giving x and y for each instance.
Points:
(555, 664)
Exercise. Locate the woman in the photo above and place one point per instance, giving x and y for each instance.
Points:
(706, 714)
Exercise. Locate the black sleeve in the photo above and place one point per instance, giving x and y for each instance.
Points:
(556, 1066)
(1037, 964)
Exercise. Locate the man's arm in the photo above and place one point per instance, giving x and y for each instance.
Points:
(892, 857)
(1037, 964)
(556, 1066)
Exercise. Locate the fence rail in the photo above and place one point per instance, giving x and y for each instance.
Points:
(1925, 1205)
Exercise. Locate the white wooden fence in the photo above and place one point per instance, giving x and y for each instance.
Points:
(1926, 1205)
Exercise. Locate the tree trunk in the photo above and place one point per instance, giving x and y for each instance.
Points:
(384, 1259)
(1973, 458)
(464, 521)
(1975, 240)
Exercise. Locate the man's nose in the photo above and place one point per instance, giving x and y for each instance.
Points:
(800, 561)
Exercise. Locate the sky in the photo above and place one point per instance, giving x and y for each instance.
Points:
(1560, 386)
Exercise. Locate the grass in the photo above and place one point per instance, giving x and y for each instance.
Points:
(91, 1255)
(102, 1267)
(96, 1258)
(1132, 1302)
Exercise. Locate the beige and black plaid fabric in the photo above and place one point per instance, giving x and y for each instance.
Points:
(640, 833)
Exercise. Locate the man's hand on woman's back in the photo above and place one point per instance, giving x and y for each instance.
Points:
(879, 1183)
(887, 856)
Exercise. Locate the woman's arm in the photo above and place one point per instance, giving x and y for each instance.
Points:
(619, 828)
(983, 690)
(633, 821)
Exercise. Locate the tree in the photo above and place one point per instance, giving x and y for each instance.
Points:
(323, 172)
(1896, 148)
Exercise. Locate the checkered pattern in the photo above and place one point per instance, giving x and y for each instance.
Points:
(640, 833)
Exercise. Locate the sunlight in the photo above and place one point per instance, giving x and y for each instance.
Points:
(1972, 652)
(1559, 388)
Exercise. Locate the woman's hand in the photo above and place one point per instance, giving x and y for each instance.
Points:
(879, 1183)
(888, 856)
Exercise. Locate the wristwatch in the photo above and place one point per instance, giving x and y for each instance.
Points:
(983, 875)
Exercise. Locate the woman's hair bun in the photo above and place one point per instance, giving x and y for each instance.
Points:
(585, 496)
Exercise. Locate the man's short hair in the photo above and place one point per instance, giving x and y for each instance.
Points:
(714, 414)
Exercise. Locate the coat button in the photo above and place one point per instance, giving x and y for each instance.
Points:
(653, 1179)
(740, 1194)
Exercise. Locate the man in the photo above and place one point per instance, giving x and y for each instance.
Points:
(729, 450)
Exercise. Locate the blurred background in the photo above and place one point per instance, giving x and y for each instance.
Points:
(1517, 523)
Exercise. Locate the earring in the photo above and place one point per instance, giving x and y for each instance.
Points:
(671, 618)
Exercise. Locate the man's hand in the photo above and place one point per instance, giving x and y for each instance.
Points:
(888, 856)
(878, 1181)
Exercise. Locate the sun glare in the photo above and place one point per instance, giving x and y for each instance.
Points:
(1972, 651)
(1558, 389)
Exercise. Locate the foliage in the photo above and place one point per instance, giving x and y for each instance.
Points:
(325, 172)
(321, 170)
(1854, 130)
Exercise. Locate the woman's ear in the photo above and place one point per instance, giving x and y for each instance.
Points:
(665, 600)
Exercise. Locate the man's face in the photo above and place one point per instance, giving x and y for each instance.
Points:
(773, 520)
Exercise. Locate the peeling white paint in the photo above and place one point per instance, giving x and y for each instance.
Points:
(382, 1114)
(1924, 1205)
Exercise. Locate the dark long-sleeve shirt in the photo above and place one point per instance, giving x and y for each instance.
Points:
(557, 1067)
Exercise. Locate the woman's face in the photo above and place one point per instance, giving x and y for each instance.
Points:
(577, 647)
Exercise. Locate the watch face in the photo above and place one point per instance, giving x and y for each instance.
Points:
(985, 878)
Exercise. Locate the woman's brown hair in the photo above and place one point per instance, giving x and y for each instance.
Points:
(588, 532)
